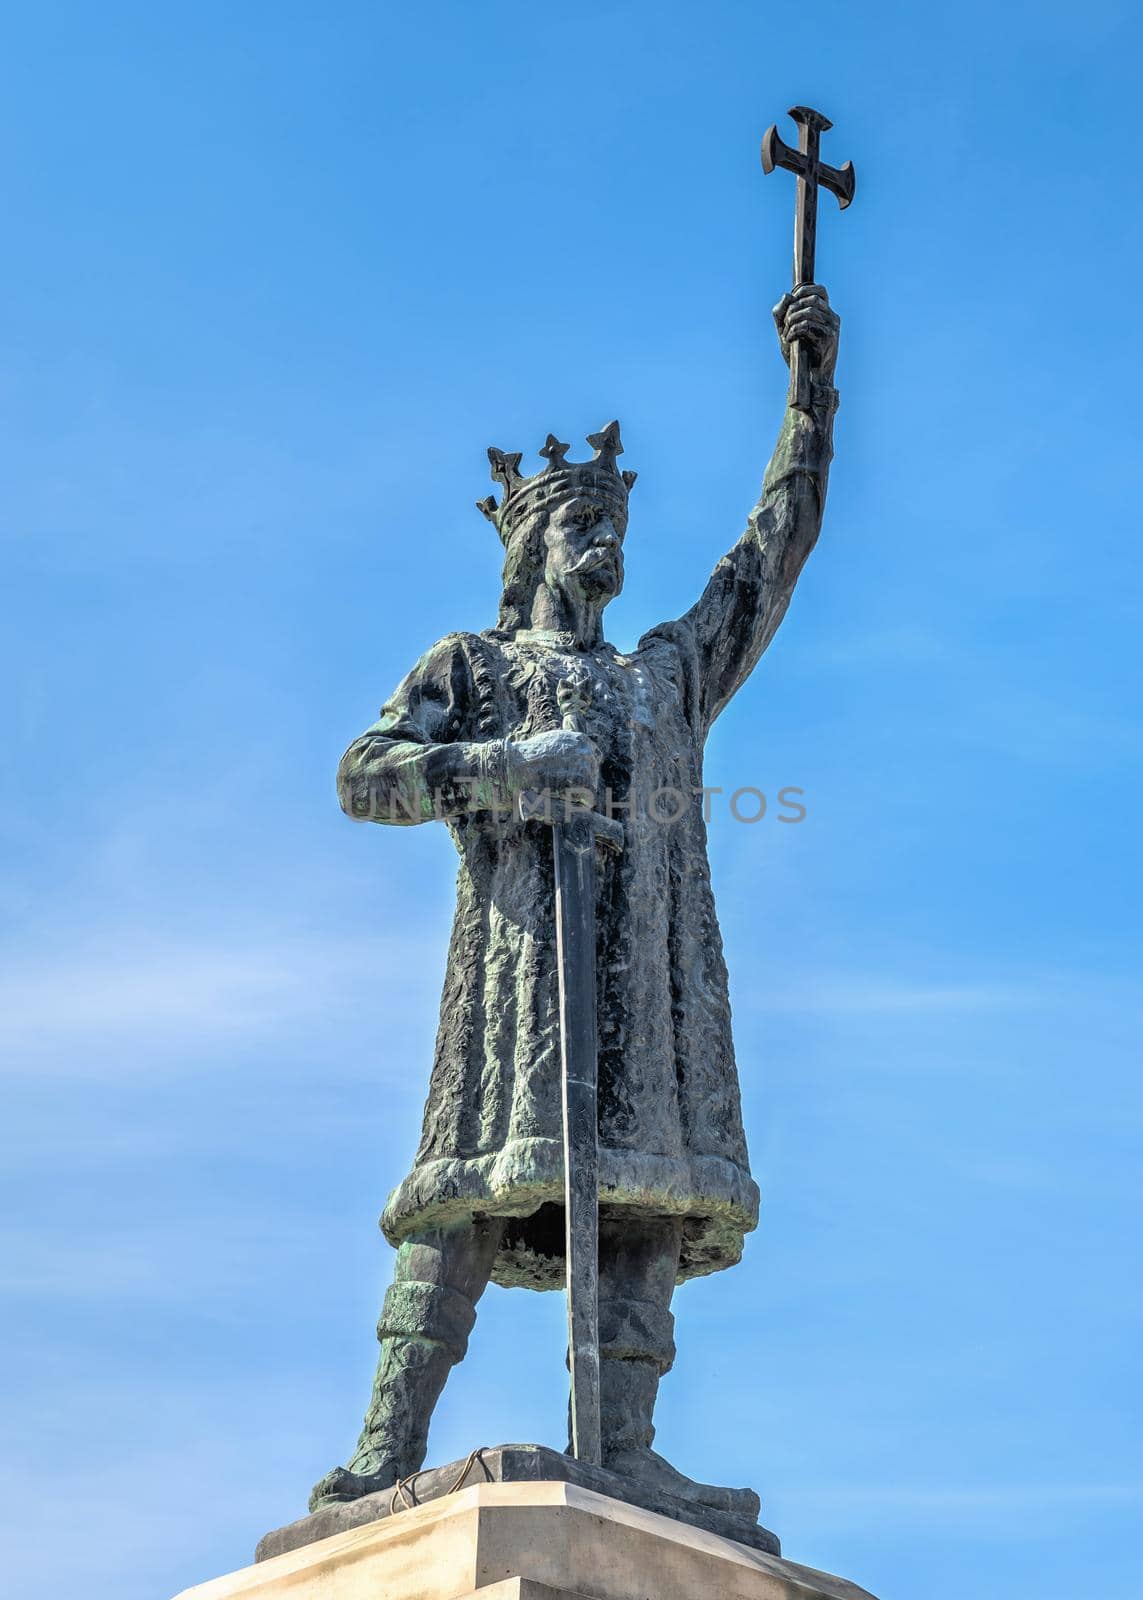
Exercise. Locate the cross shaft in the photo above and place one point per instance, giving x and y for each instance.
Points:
(811, 172)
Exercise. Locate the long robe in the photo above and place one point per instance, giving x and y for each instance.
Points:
(670, 1120)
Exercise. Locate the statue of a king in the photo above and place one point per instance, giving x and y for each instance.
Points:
(476, 723)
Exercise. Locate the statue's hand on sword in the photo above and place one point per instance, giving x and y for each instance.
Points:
(553, 764)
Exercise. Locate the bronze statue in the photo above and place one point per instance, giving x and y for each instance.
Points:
(476, 724)
(584, 1052)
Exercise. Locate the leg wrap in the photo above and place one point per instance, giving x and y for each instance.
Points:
(638, 1262)
(636, 1330)
(428, 1311)
(627, 1391)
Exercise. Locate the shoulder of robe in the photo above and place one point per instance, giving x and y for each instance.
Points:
(447, 653)
(667, 638)
(464, 668)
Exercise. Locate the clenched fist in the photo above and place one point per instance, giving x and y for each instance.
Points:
(553, 763)
(806, 315)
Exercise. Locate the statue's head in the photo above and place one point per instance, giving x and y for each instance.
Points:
(564, 527)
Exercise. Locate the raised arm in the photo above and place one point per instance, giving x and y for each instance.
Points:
(738, 612)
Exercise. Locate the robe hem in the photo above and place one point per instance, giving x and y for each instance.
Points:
(717, 1197)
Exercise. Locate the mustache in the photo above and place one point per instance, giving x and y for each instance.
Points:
(592, 559)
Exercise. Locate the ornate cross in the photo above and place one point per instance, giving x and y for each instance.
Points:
(811, 171)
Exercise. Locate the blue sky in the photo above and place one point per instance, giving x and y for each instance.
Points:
(273, 278)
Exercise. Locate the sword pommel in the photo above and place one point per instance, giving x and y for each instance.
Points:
(811, 118)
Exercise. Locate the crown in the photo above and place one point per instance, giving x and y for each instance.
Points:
(557, 480)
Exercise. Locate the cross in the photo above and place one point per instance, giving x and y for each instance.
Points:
(811, 171)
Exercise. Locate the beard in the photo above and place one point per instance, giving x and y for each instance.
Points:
(597, 573)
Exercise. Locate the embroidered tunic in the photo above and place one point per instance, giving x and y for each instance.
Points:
(670, 1120)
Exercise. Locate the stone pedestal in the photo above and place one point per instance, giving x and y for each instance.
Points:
(526, 1541)
(514, 1463)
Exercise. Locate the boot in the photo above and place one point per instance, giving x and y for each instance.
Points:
(424, 1331)
(628, 1389)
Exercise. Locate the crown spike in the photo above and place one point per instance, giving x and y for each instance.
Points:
(607, 444)
(488, 507)
(629, 478)
(554, 451)
(505, 467)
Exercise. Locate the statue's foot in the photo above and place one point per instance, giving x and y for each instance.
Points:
(645, 1466)
(344, 1484)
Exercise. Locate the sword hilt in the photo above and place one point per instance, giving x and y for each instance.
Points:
(608, 831)
(535, 805)
(573, 696)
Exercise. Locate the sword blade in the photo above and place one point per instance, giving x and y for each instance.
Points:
(573, 844)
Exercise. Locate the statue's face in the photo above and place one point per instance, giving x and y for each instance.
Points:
(584, 551)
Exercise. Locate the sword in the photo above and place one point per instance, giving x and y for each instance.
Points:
(575, 837)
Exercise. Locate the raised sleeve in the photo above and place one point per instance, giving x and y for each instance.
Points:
(737, 614)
